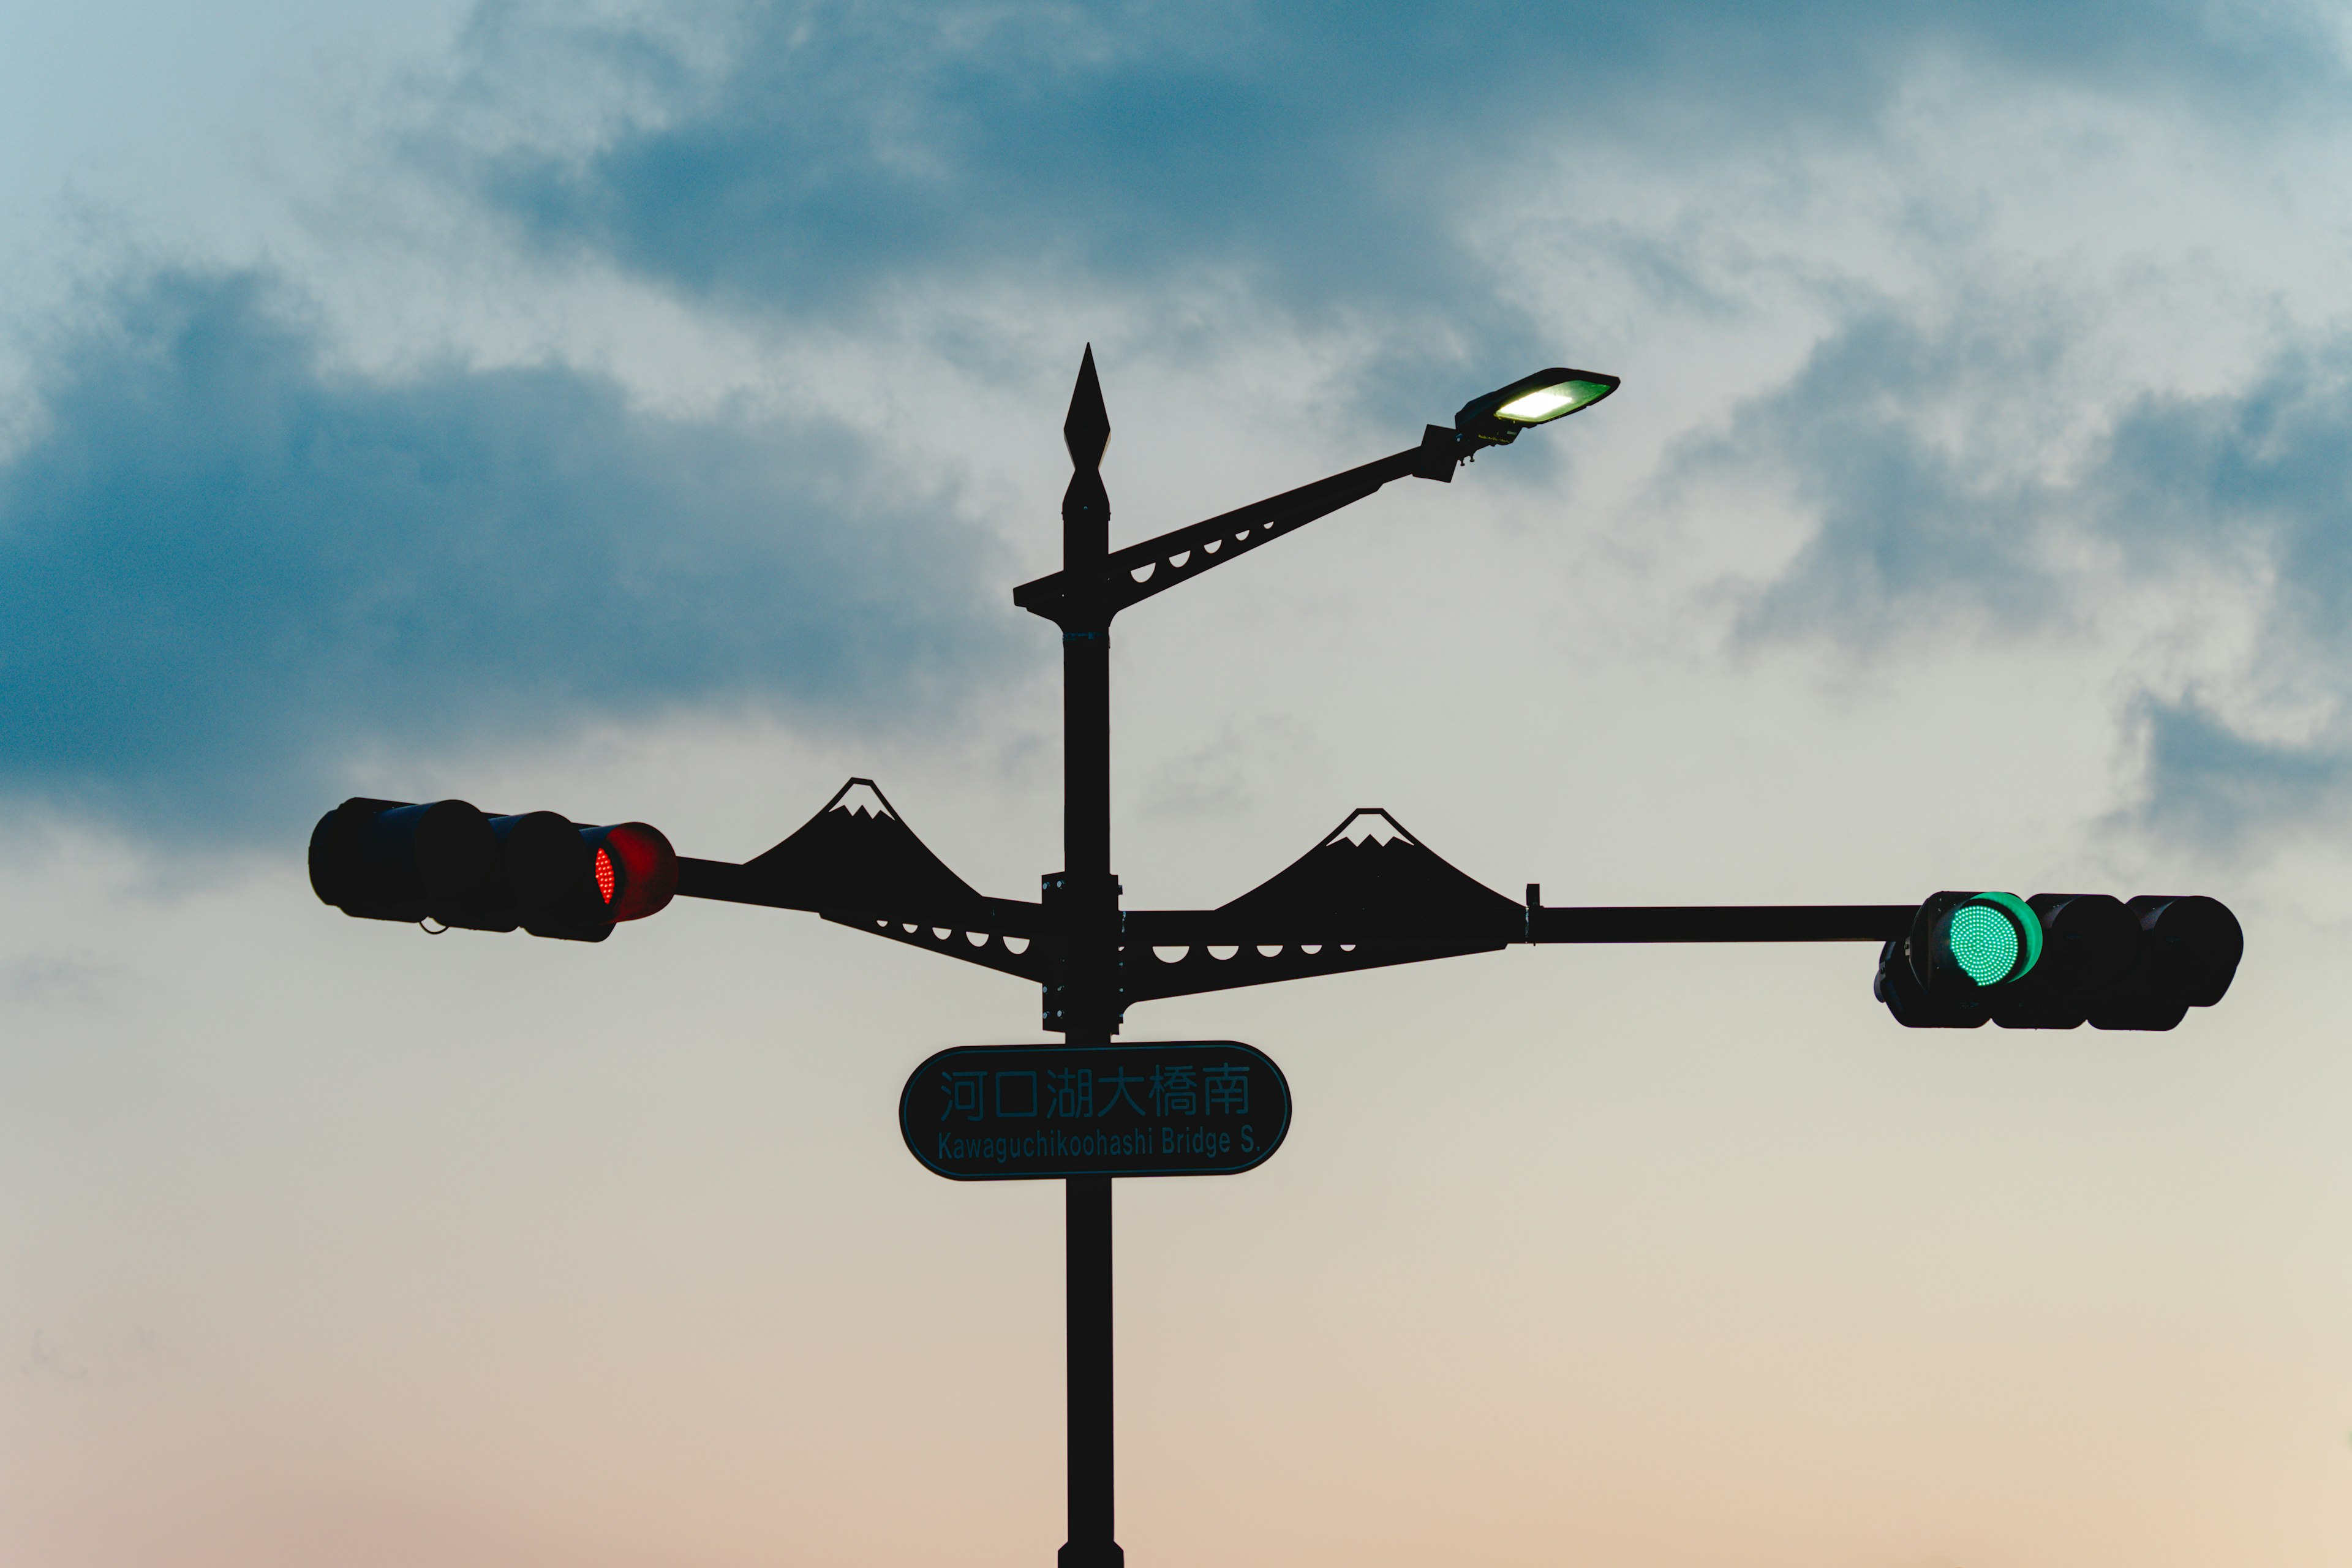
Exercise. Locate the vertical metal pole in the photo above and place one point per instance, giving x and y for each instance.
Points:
(1089, 999)
(1091, 1542)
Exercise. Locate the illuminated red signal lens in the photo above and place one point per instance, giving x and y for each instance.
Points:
(636, 870)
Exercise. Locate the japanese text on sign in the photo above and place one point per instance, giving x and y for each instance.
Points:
(1177, 1108)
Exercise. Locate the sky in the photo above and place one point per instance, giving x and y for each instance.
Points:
(643, 411)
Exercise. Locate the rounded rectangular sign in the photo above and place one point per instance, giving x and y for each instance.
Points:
(1169, 1108)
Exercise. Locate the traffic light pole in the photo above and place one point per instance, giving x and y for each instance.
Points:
(1959, 961)
(1089, 981)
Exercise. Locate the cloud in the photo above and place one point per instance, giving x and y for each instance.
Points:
(1890, 439)
(808, 155)
(1948, 486)
(64, 980)
(1351, 174)
(2268, 465)
(226, 567)
(2265, 471)
(2216, 786)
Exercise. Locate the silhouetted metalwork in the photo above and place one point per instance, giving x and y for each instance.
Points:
(1370, 894)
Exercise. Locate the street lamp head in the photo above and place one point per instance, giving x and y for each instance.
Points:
(1498, 417)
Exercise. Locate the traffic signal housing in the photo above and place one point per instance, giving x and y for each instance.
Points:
(446, 860)
(2059, 960)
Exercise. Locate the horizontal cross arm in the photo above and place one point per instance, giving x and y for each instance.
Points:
(1721, 922)
(729, 883)
(1339, 924)
(1036, 959)
(1145, 975)
(1536, 923)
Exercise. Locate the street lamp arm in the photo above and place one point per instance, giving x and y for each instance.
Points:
(1129, 575)
(1140, 570)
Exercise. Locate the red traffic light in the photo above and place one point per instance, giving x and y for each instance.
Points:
(632, 869)
(448, 861)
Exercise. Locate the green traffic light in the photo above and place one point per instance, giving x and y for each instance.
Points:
(1984, 943)
(1992, 938)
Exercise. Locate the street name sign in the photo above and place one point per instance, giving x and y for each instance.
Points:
(1170, 1107)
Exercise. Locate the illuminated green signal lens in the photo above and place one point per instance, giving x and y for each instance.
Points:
(1984, 943)
(1993, 938)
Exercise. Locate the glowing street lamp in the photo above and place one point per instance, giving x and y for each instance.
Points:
(1498, 417)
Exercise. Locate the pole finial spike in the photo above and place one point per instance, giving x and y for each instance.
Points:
(1087, 431)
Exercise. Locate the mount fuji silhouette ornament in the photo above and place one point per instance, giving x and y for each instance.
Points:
(1093, 1107)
